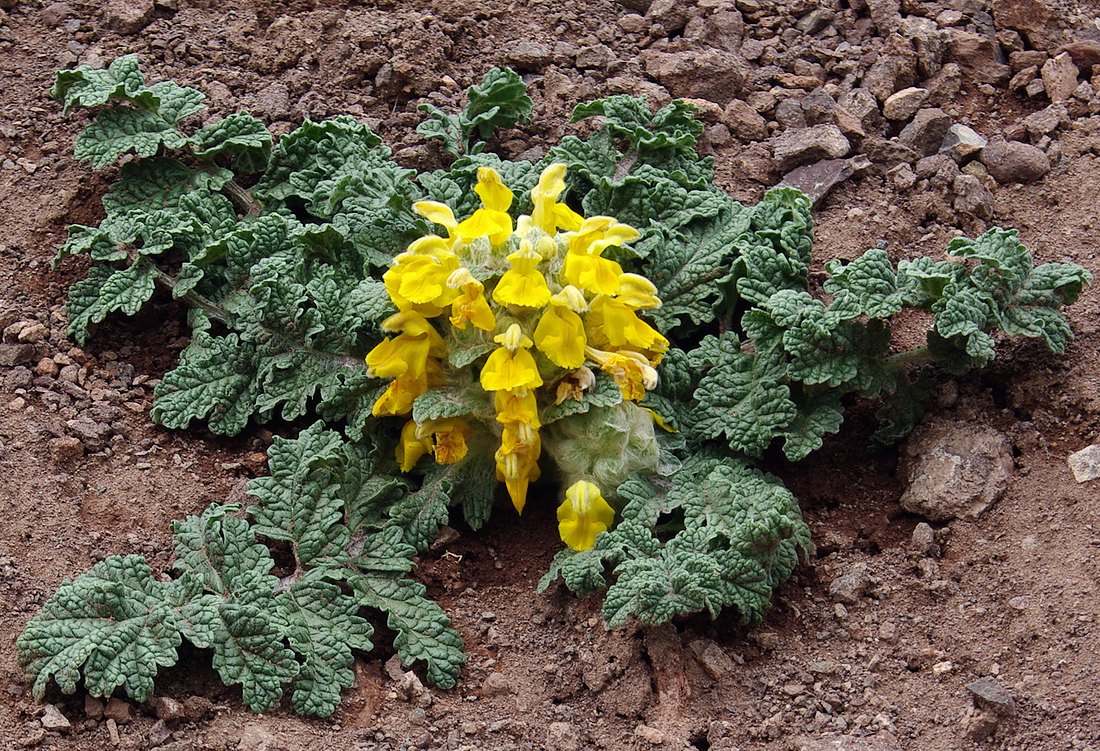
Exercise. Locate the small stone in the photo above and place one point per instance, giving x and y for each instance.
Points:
(17, 404)
(817, 180)
(942, 668)
(496, 684)
(923, 539)
(563, 736)
(988, 694)
(527, 55)
(971, 197)
(196, 708)
(253, 737)
(1059, 77)
(1085, 463)
(890, 152)
(168, 709)
(901, 105)
(1014, 162)
(979, 56)
(598, 57)
(119, 711)
(902, 176)
(52, 719)
(65, 450)
(93, 707)
(53, 14)
(926, 133)
(159, 733)
(979, 725)
(46, 367)
(962, 141)
(744, 121)
(1085, 53)
(955, 469)
(1035, 88)
(1023, 78)
(33, 333)
(794, 689)
(799, 146)
(13, 355)
(273, 102)
(418, 716)
(713, 659)
(709, 74)
(129, 16)
(651, 735)
(1045, 121)
(850, 586)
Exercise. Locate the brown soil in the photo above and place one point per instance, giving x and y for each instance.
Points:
(1012, 594)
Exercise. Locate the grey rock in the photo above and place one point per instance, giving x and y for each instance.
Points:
(129, 16)
(254, 737)
(52, 719)
(529, 55)
(66, 449)
(497, 684)
(990, 695)
(93, 707)
(849, 587)
(901, 105)
(955, 469)
(980, 56)
(946, 84)
(902, 176)
(885, 15)
(923, 539)
(800, 146)
(816, 180)
(598, 56)
(709, 74)
(926, 132)
(744, 121)
(713, 659)
(962, 141)
(1085, 464)
(971, 197)
(158, 734)
(882, 77)
(33, 333)
(818, 107)
(12, 355)
(1045, 121)
(672, 15)
(168, 709)
(862, 105)
(565, 736)
(723, 30)
(1059, 76)
(815, 21)
(273, 103)
(1014, 162)
(118, 710)
(55, 14)
(889, 152)
(1035, 88)
(789, 114)
(938, 169)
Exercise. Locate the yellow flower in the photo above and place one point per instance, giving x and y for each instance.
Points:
(637, 292)
(396, 357)
(511, 366)
(418, 278)
(575, 385)
(399, 396)
(549, 215)
(449, 436)
(584, 267)
(470, 305)
(411, 446)
(560, 336)
(438, 213)
(517, 406)
(610, 322)
(523, 284)
(630, 371)
(583, 515)
(492, 220)
(517, 462)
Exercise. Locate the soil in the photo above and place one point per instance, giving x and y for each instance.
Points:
(1010, 595)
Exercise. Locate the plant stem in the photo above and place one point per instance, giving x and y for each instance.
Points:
(901, 360)
(243, 198)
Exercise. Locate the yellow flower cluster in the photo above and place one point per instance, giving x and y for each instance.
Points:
(556, 307)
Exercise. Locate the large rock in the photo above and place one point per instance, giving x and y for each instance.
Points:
(971, 197)
(1032, 18)
(902, 105)
(799, 146)
(926, 133)
(1014, 162)
(980, 57)
(744, 121)
(1059, 77)
(955, 469)
(129, 16)
(707, 74)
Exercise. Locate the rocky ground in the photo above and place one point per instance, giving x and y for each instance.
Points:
(953, 603)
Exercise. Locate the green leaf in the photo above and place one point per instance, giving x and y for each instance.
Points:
(421, 513)
(323, 627)
(240, 136)
(223, 553)
(672, 127)
(214, 381)
(865, 287)
(91, 87)
(90, 240)
(424, 633)
(300, 501)
(247, 641)
(158, 183)
(806, 432)
(113, 626)
(499, 101)
(106, 291)
(437, 404)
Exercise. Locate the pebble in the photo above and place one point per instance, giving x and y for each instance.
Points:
(962, 141)
(708, 74)
(713, 659)
(119, 711)
(1045, 121)
(168, 709)
(66, 449)
(129, 16)
(799, 146)
(955, 469)
(1085, 464)
(1059, 76)
(52, 719)
(923, 539)
(158, 733)
(971, 198)
(926, 132)
(1014, 162)
(744, 121)
(991, 695)
(817, 180)
(850, 586)
(93, 707)
(17, 404)
(33, 332)
(496, 684)
(901, 105)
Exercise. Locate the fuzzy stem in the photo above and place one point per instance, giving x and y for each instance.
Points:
(901, 360)
(243, 198)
